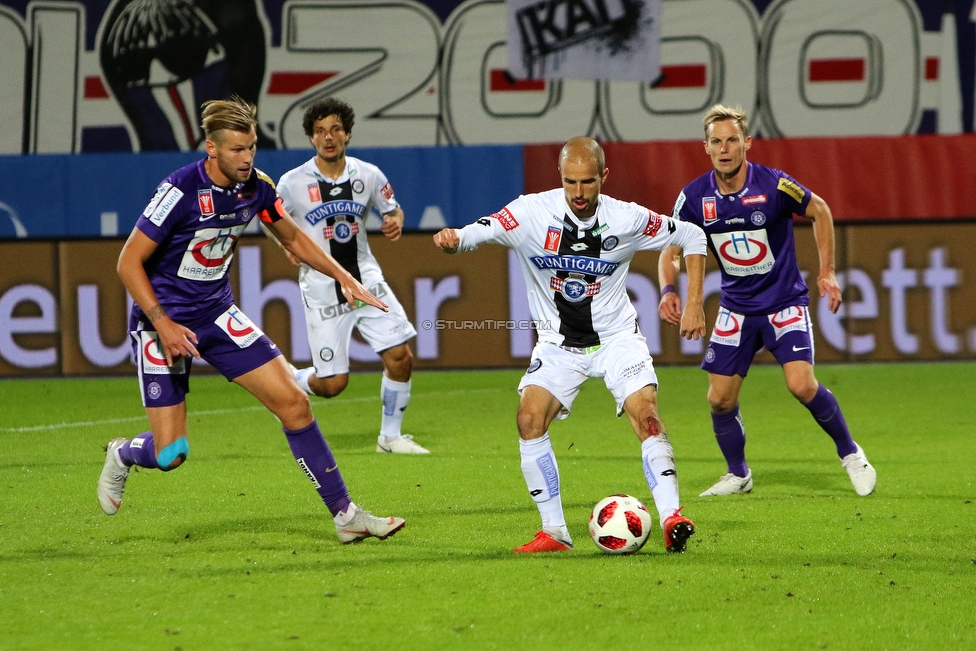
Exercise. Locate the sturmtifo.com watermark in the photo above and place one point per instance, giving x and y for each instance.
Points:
(486, 324)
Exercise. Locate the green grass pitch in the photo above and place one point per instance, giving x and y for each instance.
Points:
(235, 551)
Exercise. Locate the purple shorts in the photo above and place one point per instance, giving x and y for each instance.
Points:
(736, 339)
(231, 344)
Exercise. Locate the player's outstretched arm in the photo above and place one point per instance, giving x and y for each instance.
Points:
(447, 240)
(393, 224)
(823, 233)
(693, 317)
(175, 340)
(668, 271)
(300, 245)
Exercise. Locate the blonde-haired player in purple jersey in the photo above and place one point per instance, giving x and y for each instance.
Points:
(175, 265)
(747, 212)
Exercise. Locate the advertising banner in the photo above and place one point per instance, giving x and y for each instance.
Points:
(908, 296)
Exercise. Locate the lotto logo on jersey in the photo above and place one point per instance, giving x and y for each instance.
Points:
(238, 327)
(709, 209)
(789, 320)
(205, 199)
(553, 235)
(506, 219)
(744, 253)
(209, 253)
(654, 222)
(153, 360)
(165, 199)
(386, 191)
(728, 328)
(314, 193)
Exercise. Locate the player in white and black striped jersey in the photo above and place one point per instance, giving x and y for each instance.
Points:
(575, 247)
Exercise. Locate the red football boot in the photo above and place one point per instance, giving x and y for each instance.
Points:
(677, 530)
(544, 542)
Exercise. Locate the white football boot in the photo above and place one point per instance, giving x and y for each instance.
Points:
(111, 483)
(861, 472)
(730, 485)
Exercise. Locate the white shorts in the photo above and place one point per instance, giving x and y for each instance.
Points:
(623, 362)
(330, 328)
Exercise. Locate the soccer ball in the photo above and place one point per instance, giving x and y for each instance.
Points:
(619, 524)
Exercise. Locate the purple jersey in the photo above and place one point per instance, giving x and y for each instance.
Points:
(196, 224)
(750, 233)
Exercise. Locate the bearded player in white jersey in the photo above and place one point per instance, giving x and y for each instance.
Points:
(575, 248)
(330, 197)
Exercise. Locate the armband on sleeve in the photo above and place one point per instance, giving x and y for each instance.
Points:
(272, 214)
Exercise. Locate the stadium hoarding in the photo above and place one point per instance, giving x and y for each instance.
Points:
(908, 296)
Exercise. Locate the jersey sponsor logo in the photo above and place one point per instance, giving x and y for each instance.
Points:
(238, 327)
(654, 222)
(335, 191)
(735, 220)
(205, 201)
(574, 290)
(387, 191)
(754, 199)
(789, 320)
(709, 210)
(597, 231)
(333, 208)
(152, 358)
(579, 246)
(341, 231)
(553, 235)
(744, 253)
(579, 264)
(610, 243)
(165, 199)
(789, 187)
(358, 186)
(506, 219)
(209, 253)
(314, 193)
(728, 328)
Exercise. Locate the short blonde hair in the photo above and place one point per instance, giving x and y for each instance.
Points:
(234, 114)
(719, 113)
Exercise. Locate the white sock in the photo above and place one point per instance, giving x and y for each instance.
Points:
(342, 518)
(396, 397)
(303, 375)
(660, 473)
(542, 479)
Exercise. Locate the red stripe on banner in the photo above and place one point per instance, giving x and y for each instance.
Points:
(684, 76)
(293, 83)
(502, 82)
(931, 68)
(94, 88)
(844, 171)
(837, 70)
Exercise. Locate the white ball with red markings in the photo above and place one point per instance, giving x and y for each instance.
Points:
(619, 524)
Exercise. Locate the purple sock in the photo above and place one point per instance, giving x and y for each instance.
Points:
(828, 415)
(315, 459)
(731, 436)
(139, 451)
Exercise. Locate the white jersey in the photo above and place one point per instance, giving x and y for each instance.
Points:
(333, 214)
(576, 272)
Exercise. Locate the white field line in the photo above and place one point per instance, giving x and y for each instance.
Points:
(217, 412)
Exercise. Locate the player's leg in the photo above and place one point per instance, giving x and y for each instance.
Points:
(628, 371)
(657, 461)
(734, 342)
(274, 385)
(163, 389)
(395, 392)
(328, 338)
(546, 391)
(389, 333)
